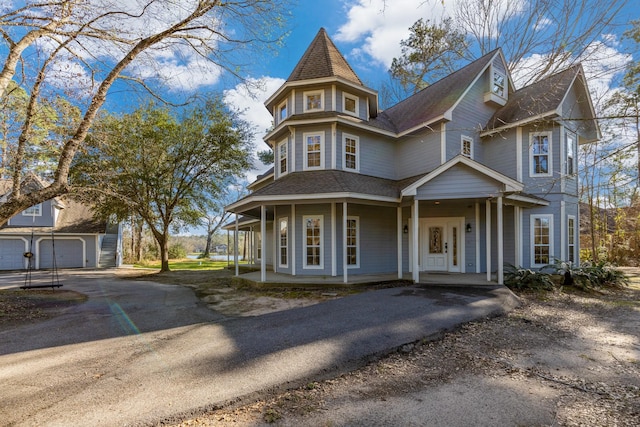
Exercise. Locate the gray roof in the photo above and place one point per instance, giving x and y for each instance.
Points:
(323, 59)
(432, 101)
(537, 99)
(333, 181)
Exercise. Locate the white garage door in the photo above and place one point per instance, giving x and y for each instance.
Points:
(69, 253)
(12, 254)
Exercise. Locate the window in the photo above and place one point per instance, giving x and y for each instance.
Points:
(282, 157)
(570, 149)
(313, 101)
(571, 239)
(498, 86)
(466, 147)
(541, 239)
(283, 242)
(540, 154)
(313, 242)
(35, 210)
(351, 153)
(313, 148)
(350, 104)
(282, 112)
(353, 241)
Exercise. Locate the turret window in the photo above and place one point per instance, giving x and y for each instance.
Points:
(350, 104)
(313, 148)
(313, 101)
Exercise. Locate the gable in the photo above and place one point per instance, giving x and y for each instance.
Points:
(460, 181)
(578, 109)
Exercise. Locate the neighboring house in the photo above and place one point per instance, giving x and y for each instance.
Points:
(462, 177)
(61, 226)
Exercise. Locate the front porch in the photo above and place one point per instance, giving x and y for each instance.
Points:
(472, 279)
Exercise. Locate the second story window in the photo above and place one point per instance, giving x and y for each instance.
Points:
(282, 158)
(466, 147)
(35, 210)
(570, 151)
(313, 101)
(540, 152)
(350, 104)
(282, 112)
(351, 153)
(313, 147)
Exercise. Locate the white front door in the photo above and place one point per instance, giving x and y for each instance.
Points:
(440, 244)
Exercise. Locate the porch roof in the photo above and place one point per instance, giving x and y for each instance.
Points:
(314, 185)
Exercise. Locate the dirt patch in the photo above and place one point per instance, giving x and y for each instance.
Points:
(18, 307)
(560, 359)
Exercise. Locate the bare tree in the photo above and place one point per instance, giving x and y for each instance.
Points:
(80, 48)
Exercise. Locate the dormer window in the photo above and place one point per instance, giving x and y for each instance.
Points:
(466, 147)
(35, 210)
(282, 112)
(350, 104)
(313, 101)
(499, 82)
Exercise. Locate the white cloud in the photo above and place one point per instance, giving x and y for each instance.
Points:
(249, 100)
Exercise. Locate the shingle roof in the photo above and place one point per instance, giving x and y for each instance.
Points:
(432, 101)
(323, 59)
(333, 181)
(536, 99)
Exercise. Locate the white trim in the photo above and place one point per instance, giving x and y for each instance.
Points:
(320, 266)
(563, 227)
(274, 240)
(302, 197)
(357, 246)
(399, 233)
(334, 239)
(549, 154)
(510, 184)
(532, 218)
(305, 104)
(283, 143)
(562, 160)
(293, 239)
(345, 269)
(517, 233)
(500, 238)
(305, 160)
(293, 102)
(346, 95)
(321, 80)
(235, 247)
(341, 120)
(292, 163)
(487, 221)
(279, 240)
(355, 138)
(469, 139)
(443, 143)
(334, 107)
(478, 260)
(263, 243)
(415, 229)
(522, 122)
(333, 145)
(519, 153)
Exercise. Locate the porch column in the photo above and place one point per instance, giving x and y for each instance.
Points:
(235, 247)
(263, 252)
(477, 232)
(228, 244)
(414, 237)
(399, 233)
(487, 222)
(276, 237)
(518, 235)
(292, 255)
(500, 237)
(334, 239)
(344, 242)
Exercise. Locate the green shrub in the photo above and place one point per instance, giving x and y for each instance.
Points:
(591, 276)
(524, 278)
(177, 251)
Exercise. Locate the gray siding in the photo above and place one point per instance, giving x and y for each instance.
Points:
(376, 153)
(542, 185)
(44, 220)
(459, 182)
(500, 153)
(418, 154)
(299, 149)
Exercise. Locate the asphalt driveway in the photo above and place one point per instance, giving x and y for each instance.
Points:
(139, 352)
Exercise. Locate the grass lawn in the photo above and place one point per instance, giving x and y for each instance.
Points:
(186, 264)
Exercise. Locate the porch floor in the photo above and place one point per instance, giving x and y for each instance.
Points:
(425, 278)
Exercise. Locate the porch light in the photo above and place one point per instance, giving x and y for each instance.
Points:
(406, 229)
(468, 227)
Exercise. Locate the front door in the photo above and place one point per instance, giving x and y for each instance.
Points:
(440, 244)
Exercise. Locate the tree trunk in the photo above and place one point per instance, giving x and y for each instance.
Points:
(163, 242)
(207, 248)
